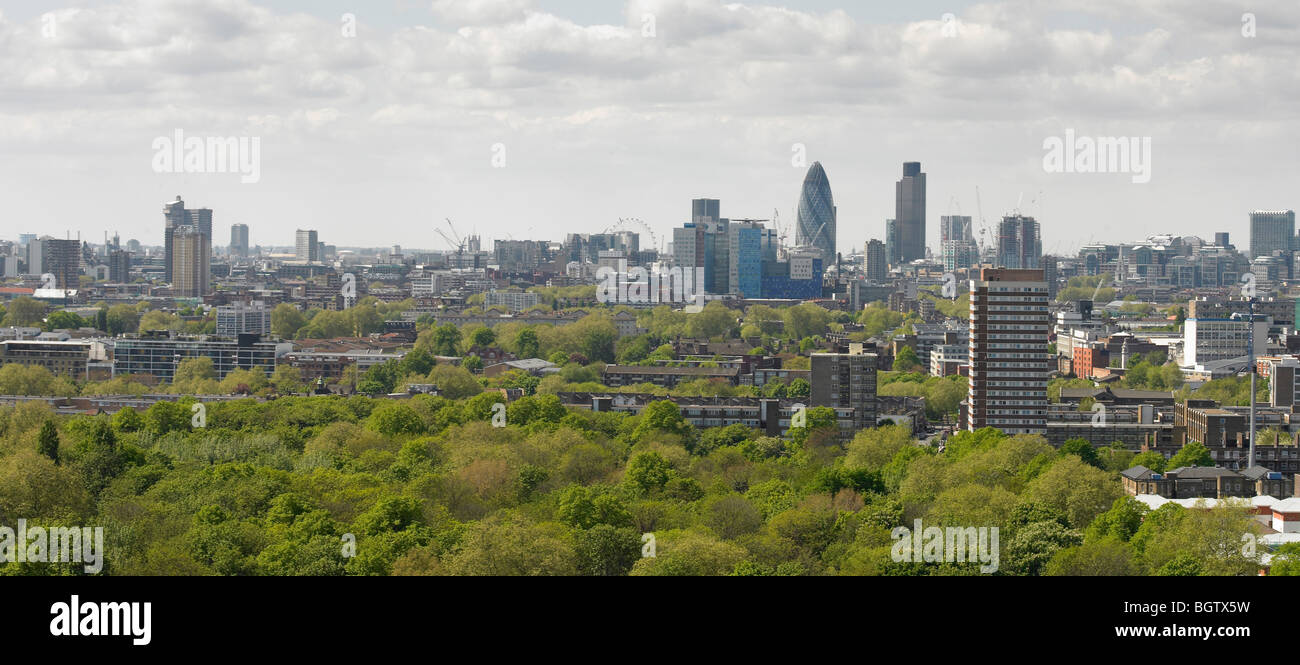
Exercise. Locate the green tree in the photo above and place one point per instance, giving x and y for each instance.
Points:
(454, 382)
(907, 360)
(662, 416)
(1150, 459)
(472, 363)
(483, 337)
(526, 344)
(446, 340)
(1286, 561)
(1033, 546)
(585, 507)
(286, 321)
(128, 420)
(648, 471)
(1107, 558)
(1120, 522)
(48, 441)
(605, 550)
(122, 318)
(799, 388)
(395, 418)
(24, 311)
(63, 320)
(1082, 449)
(1193, 453)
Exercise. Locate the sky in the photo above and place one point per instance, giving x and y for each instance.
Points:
(377, 121)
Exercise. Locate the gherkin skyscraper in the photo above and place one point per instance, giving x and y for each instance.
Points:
(817, 214)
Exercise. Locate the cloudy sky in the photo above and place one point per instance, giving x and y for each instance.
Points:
(535, 118)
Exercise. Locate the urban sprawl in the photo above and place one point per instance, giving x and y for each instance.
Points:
(736, 385)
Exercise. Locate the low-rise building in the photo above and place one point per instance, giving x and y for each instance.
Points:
(62, 358)
(159, 353)
(771, 416)
(330, 366)
(512, 301)
(1187, 482)
(533, 366)
(668, 377)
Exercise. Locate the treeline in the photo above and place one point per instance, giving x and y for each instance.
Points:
(429, 486)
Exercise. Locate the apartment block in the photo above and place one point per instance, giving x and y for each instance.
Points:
(243, 319)
(842, 380)
(70, 359)
(1009, 323)
(159, 354)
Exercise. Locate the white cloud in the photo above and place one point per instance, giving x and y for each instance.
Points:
(636, 125)
(479, 12)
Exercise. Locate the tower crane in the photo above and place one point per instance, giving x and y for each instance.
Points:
(454, 240)
(984, 227)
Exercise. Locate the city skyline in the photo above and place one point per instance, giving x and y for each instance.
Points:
(362, 130)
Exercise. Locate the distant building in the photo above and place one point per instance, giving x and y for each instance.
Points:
(1208, 340)
(841, 380)
(1271, 231)
(1020, 243)
(1284, 384)
(176, 215)
(512, 301)
(306, 246)
(771, 416)
(191, 267)
(159, 354)
(58, 257)
(799, 278)
(749, 245)
(816, 225)
(876, 261)
(533, 366)
(909, 213)
(119, 266)
(243, 319)
(949, 359)
(239, 240)
(62, 358)
(668, 377)
(521, 255)
(1187, 482)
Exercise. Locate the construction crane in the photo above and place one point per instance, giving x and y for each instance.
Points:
(781, 231)
(984, 227)
(454, 240)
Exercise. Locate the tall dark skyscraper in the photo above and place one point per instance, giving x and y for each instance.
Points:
(909, 213)
(816, 226)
